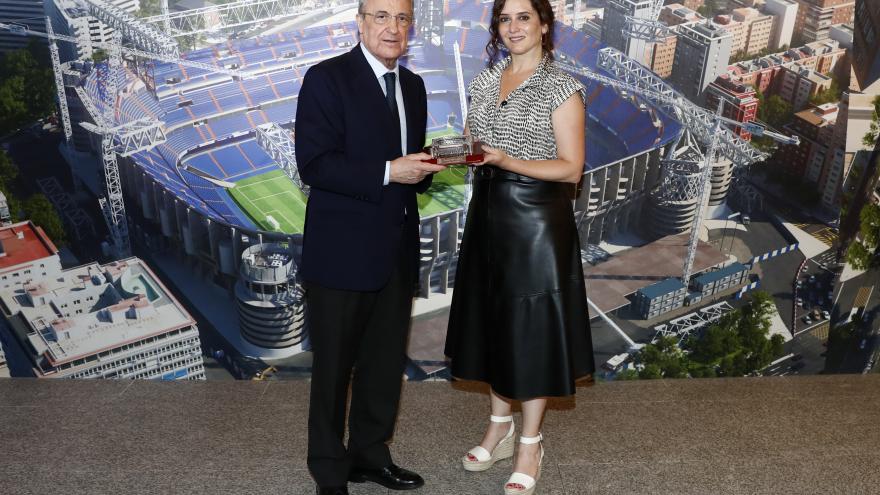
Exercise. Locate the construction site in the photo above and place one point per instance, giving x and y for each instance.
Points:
(190, 152)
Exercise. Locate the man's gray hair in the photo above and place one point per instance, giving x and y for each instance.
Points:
(362, 2)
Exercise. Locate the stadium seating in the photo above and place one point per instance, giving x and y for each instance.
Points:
(210, 117)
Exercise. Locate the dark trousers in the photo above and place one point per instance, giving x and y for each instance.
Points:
(367, 332)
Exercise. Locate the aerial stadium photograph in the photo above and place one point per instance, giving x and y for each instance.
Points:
(220, 174)
(166, 205)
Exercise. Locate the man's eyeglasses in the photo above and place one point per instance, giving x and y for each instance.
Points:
(382, 17)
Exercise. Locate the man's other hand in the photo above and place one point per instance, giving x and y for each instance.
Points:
(410, 169)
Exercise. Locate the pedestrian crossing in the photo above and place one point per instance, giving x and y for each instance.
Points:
(827, 258)
(862, 297)
(827, 235)
(820, 331)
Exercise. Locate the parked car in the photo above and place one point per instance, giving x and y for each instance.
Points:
(807, 320)
(826, 314)
(862, 344)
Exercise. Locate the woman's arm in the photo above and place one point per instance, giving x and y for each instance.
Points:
(568, 130)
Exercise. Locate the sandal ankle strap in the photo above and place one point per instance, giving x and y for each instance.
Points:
(531, 440)
(500, 419)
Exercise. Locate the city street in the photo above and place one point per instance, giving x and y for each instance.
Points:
(861, 292)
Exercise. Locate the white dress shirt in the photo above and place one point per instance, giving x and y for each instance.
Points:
(380, 70)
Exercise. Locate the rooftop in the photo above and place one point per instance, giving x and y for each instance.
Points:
(94, 307)
(712, 276)
(819, 116)
(662, 288)
(804, 434)
(611, 281)
(22, 243)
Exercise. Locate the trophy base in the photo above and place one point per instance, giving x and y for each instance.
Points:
(455, 160)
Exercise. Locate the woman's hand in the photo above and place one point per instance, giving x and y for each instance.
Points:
(494, 156)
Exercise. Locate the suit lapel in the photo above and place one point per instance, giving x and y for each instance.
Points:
(369, 88)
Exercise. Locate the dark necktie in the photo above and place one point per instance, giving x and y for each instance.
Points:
(391, 101)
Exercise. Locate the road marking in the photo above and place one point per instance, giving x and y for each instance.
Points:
(836, 296)
(821, 332)
(815, 326)
(863, 296)
(783, 358)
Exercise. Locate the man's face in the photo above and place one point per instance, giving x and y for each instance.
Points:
(388, 41)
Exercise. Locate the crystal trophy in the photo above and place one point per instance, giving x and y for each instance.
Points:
(455, 150)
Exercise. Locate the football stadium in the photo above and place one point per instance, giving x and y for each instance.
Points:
(214, 189)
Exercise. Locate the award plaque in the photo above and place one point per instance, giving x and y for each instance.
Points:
(455, 150)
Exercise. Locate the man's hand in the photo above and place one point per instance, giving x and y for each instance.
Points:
(410, 169)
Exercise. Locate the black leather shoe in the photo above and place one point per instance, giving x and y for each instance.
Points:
(392, 477)
(331, 490)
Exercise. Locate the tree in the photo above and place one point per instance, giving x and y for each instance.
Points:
(40, 211)
(830, 95)
(8, 170)
(27, 87)
(870, 225)
(774, 110)
(627, 374)
(99, 55)
(858, 256)
(737, 344)
(663, 359)
(870, 138)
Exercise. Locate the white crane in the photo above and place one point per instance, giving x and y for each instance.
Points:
(123, 139)
(647, 28)
(238, 13)
(706, 127)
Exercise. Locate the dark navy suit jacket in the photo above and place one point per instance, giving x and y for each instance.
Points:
(355, 226)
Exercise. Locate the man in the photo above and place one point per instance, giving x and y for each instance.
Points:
(357, 117)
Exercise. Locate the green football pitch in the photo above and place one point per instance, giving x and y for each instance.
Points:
(447, 189)
(274, 195)
(271, 195)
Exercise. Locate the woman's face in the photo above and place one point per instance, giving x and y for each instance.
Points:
(520, 27)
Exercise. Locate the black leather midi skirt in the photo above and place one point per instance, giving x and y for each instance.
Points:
(519, 319)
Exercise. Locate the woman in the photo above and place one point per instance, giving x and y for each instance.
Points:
(519, 314)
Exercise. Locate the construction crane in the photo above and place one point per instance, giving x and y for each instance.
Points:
(141, 35)
(702, 126)
(647, 28)
(279, 145)
(22, 30)
(59, 83)
(122, 139)
(239, 13)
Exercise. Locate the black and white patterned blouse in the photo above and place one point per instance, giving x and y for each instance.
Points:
(522, 127)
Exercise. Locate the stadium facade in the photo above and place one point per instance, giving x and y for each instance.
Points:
(211, 190)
